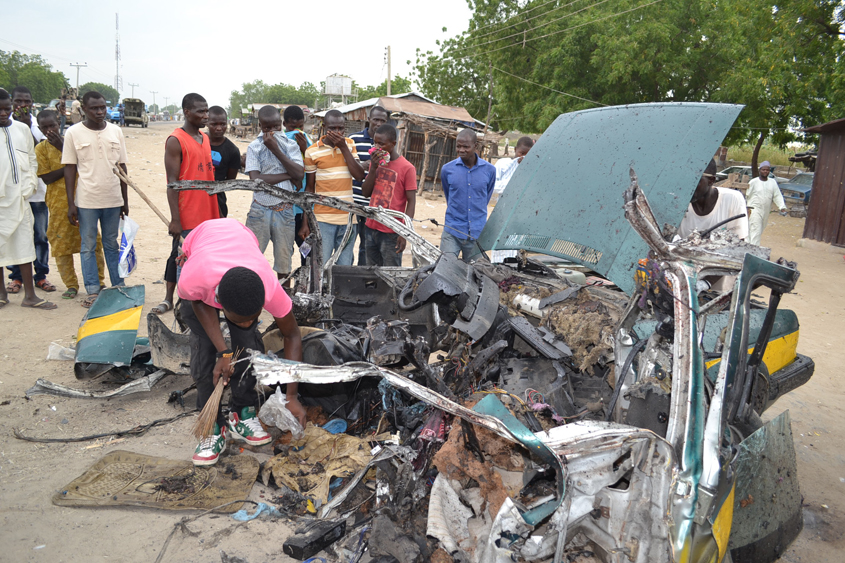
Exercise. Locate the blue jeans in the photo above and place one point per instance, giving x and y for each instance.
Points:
(109, 220)
(451, 244)
(277, 226)
(42, 249)
(332, 237)
(381, 248)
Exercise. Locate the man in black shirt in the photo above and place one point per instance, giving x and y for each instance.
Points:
(224, 154)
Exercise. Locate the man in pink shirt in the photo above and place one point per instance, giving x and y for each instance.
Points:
(224, 269)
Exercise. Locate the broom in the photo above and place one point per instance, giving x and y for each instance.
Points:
(204, 426)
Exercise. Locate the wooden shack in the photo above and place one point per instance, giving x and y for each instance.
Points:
(427, 131)
(826, 214)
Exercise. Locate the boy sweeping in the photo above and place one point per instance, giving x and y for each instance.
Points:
(224, 270)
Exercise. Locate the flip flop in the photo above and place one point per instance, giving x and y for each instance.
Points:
(70, 293)
(14, 286)
(162, 307)
(44, 285)
(88, 301)
(43, 304)
(3, 303)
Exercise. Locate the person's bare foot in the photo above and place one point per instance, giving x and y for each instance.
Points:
(36, 303)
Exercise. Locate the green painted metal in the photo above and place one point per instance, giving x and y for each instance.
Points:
(116, 299)
(767, 510)
(114, 347)
(492, 406)
(565, 199)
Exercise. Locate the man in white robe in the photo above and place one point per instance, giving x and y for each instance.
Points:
(18, 181)
(762, 192)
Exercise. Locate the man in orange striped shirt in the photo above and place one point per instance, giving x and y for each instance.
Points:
(330, 165)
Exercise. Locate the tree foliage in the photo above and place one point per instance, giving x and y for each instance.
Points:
(398, 85)
(257, 92)
(110, 94)
(18, 69)
(783, 62)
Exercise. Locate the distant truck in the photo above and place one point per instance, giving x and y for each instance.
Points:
(134, 111)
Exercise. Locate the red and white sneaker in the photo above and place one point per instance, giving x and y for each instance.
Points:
(208, 451)
(247, 427)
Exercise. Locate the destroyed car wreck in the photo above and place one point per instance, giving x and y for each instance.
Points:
(488, 413)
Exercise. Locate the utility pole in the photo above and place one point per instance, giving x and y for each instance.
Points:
(133, 89)
(165, 101)
(388, 70)
(154, 100)
(77, 65)
(117, 82)
(489, 96)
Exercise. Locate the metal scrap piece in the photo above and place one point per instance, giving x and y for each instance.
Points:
(559, 296)
(538, 340)
(143, 384)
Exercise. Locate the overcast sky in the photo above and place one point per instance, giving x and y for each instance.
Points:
(212, 47)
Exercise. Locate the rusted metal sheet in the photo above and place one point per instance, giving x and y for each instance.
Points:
(826, 214)
(425, 109)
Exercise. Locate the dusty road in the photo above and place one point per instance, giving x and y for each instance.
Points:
(33, 529)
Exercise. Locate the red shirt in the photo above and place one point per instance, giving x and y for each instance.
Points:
(195, 206)
(392, 181)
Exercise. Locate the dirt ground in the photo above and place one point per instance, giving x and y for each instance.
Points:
(33, 529)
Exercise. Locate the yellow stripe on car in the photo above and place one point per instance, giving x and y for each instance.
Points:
(123, 320)
(779, 353)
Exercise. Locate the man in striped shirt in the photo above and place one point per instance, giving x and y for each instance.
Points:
(363, 142)
(330, 165)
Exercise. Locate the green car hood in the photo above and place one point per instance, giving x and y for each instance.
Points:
(565, 199)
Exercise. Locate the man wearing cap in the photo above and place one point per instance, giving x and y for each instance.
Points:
(762, 192)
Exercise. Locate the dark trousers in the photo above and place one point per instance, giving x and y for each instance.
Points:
(362, 243)
(203, 359)
(298, 219)
(221, 203)
(42, 248)
(381, 248)
(170, 268)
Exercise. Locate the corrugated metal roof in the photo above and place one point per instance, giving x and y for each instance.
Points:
(826, 127)
(425, 109)
(398, 103)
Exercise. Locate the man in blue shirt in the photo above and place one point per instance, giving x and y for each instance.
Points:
(468, 183)
(363, 143)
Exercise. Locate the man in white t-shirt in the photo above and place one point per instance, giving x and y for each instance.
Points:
(96, 195)
(762, 193)
(711, 206)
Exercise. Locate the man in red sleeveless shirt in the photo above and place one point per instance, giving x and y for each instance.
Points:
(187, 156)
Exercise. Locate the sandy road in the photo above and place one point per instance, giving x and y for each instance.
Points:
(33, 529)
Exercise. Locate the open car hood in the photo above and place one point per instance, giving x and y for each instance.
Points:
(565, 199)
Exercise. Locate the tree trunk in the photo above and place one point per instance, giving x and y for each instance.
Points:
(756, 153)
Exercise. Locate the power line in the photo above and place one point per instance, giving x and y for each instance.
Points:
(522, 33)
(548, 88)
(52, 56)
(532, 18)
(452, 54)
(524, 13)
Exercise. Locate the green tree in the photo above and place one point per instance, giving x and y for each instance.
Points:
(546, 60)
(109, 93)
(18, 69)
(258, 92)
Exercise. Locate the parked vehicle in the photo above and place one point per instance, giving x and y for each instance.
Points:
(135, 112)
(651, 448)
(114, 115)
(796, 191)
(723, 174)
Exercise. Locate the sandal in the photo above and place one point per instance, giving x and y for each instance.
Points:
(44, 285)
(88, 301)
(70, 293)
(42, 304)
(14, 286)
(162, 307)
